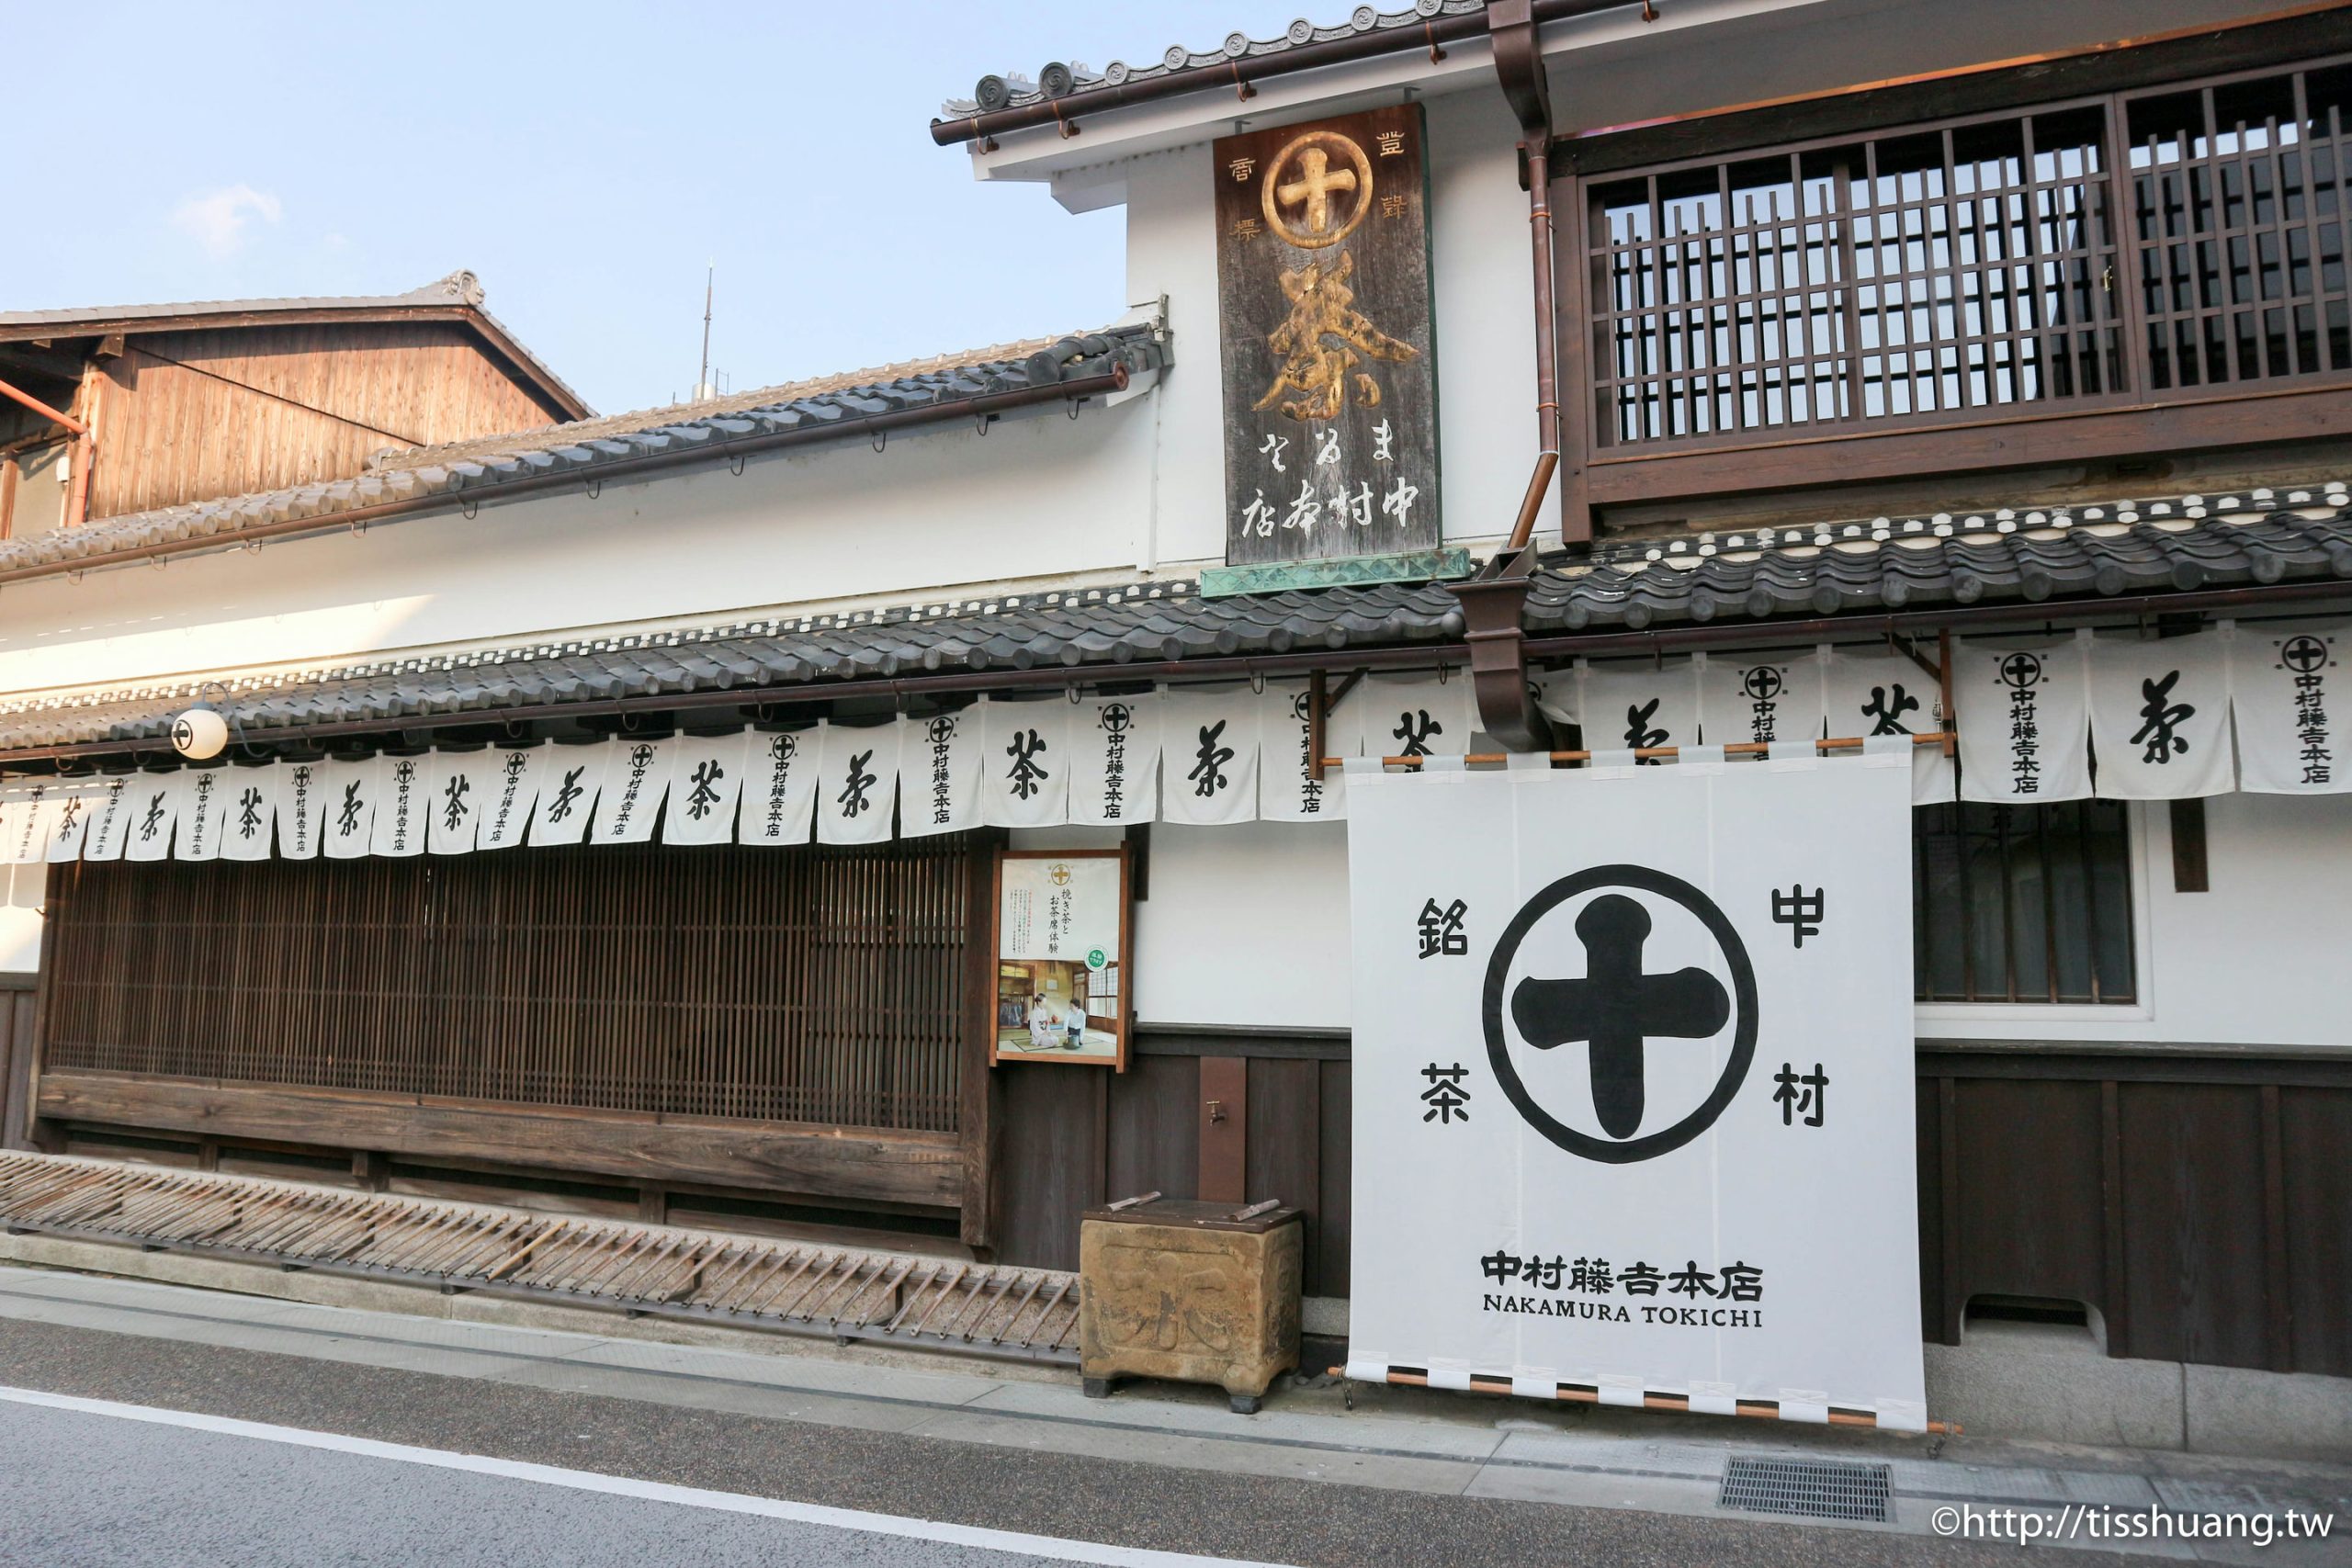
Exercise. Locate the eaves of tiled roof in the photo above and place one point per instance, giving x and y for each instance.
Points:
(2067, 563)
(425, 477)
(2030, 555)
(1021, 91)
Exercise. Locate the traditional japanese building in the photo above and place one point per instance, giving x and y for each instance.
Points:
(1865, 378)
(124, 409)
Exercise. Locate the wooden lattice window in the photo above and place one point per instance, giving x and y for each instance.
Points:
(2171, 246)
(1938, 272)
(2022, 903)
(2238, 212)
(822, 985)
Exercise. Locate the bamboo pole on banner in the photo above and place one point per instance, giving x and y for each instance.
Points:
(1762, 1409)
(1644, 753)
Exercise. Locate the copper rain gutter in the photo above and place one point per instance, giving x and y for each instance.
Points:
(85, 450)
(1491, 602)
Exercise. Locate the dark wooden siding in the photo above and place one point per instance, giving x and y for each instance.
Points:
(1074, 1138)
(2198, 1202)
(173, 425)
(16, 1034)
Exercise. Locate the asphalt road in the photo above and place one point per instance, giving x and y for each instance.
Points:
(100, 1491)
(115, 1489)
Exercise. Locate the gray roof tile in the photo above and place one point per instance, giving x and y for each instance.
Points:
(2079, 555)
(462, 469)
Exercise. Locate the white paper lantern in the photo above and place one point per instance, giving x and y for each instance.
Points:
(199, 733)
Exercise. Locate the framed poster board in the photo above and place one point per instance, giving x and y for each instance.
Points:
(1064, 954)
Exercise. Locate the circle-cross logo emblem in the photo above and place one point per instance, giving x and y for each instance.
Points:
(940, 730)
(1116, 716)
(1616, 1009)
(1317, 190)
(2022, 670)
(1763, 683)
(2302, 654)
(183, 734)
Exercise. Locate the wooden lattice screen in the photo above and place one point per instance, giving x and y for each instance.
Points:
(2080, 255)
(818, 985)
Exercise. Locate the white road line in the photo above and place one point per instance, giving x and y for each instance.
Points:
(648, 1491)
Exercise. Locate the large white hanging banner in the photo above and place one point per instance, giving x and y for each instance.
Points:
(154, 805)
(568, 779)
(1746, 699)
(77, 802)
(2160, 717)
(635, 781)
(1408, 716)
(857, 776)
(302, 798)
(705, 782)
(1871, 693)
(1288, 790)
(512, 789)
(941, 759)
(2283, 685)
(1633, 1084)
(1114, 761)
(109, 818)
(1026, 777)
(780, 788)
(2024, 715)
(1208, 755)
(401, 790)
(455, 785)
(348, 792)
(249, 806)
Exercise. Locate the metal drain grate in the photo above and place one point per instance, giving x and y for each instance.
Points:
(1818, 1489)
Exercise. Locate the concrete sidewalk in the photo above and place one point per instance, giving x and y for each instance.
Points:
(1398, 1439)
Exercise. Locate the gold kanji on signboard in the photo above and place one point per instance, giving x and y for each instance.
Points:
(1318, 342)
(1318, 189)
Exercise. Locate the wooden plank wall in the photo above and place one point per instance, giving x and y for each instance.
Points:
(169, 433)
(1075, 1137)
(17, 1010)
(2201, 1205)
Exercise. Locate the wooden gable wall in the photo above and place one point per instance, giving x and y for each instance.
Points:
(187, 415)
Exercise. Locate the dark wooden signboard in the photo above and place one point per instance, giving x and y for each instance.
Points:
(1330, 379)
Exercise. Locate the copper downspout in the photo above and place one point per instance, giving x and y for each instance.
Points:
(86, 449)
(1491, 602)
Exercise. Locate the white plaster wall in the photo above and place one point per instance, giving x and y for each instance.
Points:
(1484, 287)
(20, 921)
(1172, 252)
(1246, 926)
(1041, 495)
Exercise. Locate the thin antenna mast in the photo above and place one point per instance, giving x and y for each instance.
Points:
(702, 388)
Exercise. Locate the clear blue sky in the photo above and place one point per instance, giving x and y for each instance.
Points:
(584, 158)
